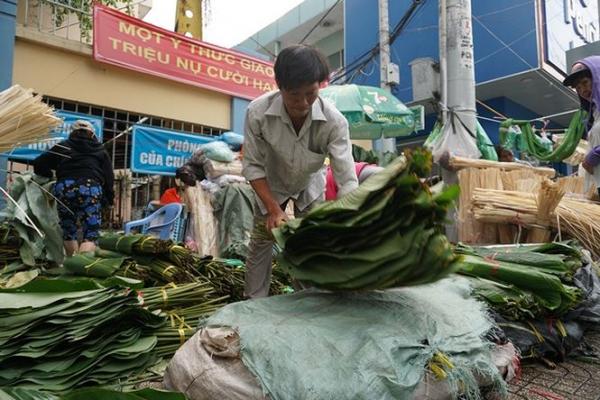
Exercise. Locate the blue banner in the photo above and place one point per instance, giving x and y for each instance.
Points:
(32, 150)
(160, 151)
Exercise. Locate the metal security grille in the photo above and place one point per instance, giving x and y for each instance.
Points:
(137, 190)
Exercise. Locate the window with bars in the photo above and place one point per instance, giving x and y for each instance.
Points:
(137, 190)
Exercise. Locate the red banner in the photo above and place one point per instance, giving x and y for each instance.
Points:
(132, 43)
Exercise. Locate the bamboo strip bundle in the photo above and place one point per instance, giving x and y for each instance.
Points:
(581, 219)
(24, 118)
(467, 225)
(510, 178)
(572, 184)
(503, 206)
(469, 230)
(529, 185)
(547, 199)
(460, 163)
(580, 151)
(490, 178)
(520, 180)
(577, 218)
(472, 231)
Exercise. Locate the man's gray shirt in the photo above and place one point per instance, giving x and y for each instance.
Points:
(293, 164)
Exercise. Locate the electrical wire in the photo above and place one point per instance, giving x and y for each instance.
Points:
(560, 88)
(358, 65)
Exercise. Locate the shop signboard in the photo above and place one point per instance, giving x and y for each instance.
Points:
(568, 24)
(134, 44)
(161, 151)
(32, 150)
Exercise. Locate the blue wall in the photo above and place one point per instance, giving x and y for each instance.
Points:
(238, 113)
(512, 21)
(8, 12)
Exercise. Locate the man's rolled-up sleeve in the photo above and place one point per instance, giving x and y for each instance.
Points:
(253, 162)
(342, 163)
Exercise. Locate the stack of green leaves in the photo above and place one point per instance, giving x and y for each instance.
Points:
(386, 233)
(89, 394)
(10, 242)
(31, 212)
(524, 281)
(58, 335)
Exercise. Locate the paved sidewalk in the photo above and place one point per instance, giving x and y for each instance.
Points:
(571, 380)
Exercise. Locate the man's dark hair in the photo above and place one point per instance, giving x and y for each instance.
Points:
(300, 65)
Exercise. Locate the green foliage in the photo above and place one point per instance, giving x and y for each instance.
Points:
(524, 282)
(83, 9)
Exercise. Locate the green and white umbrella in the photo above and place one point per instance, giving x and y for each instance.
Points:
(371, 111)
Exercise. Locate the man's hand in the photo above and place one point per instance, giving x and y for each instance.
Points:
(275, 218)
(588, 167)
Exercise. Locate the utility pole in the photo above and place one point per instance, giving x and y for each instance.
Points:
(443, 42)
(384, 145)
(458, 88)
(461, 69)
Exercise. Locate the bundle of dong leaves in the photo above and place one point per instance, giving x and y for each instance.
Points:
(161, 262)
(58, 335)
(384, 234)
(524, 281)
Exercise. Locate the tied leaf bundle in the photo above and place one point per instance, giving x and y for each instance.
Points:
(183, 305)
(61, 335)
(385, 233)
(140, 257)
(524, 282)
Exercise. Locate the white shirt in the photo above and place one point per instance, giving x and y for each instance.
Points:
(293, 163)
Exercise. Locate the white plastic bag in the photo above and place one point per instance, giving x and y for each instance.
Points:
(455, 140)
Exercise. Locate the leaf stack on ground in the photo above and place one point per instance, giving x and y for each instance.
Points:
(524, 281)
(59, 335)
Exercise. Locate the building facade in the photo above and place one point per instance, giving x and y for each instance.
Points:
(519, 48)
(53, 56)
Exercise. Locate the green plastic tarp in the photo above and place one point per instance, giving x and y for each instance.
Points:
(369, 345)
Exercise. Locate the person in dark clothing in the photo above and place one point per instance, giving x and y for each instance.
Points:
(84, 184)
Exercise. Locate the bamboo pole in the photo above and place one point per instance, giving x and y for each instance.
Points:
(459, 163)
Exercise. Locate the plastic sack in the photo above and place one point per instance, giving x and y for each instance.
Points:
(208, 366)
(233, 140)
(399, 333)
(217, 151)
(453, 138)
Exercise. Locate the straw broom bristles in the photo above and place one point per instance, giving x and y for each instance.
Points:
(547, 199)
(24, 118)
(577, 218)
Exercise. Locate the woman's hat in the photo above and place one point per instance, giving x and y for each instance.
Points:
(82, 124)
(579, 70)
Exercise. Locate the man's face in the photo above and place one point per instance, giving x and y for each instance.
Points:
(299, 101)
(583, 87)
